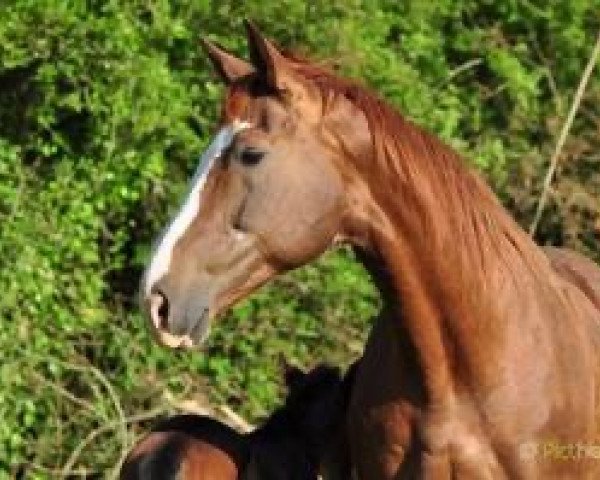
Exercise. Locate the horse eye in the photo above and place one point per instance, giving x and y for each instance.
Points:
(251, 156)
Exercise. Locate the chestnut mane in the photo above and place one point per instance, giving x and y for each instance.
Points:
(416, 168)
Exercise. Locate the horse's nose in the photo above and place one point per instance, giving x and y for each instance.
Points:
(168, 330)
(159, 310)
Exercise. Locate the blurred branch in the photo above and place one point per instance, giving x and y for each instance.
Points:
(64, 392)
(236, 420)
(547, 71)
(474, 62)
(585, 77)
(120, 424)
(123, 428)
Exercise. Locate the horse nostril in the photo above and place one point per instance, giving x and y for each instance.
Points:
(159, 310)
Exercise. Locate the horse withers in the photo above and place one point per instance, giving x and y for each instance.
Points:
(487, 348)
(300, 440)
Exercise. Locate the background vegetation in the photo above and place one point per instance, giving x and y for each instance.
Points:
(104, 108)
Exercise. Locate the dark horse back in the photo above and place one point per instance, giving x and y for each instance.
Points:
(178, 448)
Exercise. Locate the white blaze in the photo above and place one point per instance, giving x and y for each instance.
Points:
(161, 258)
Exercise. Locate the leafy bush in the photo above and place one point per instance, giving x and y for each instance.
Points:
(104, 107)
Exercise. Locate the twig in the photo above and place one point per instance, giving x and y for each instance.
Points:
(68, 466)
(64, 392)
(587, 73)
(115, 399)
(236, 419)
(190, 406)
(54, 472)
(491, 94)
(474, 62)
(551, 81)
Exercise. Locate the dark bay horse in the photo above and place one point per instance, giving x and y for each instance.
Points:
(304, 437)
(485, 356)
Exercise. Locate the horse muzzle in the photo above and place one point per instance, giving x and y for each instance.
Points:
(178, 328)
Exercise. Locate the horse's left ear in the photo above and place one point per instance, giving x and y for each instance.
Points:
(268, 61)
(229, 67)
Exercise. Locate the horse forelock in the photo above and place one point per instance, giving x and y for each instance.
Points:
(237, 103)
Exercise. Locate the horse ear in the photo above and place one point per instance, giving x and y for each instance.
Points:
(268, 61)
(229, 67)
(293, 376)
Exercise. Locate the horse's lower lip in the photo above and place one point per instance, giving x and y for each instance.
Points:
(175, 341)
(195, 333)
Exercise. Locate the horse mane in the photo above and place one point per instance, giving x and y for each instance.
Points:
(415, 166)
(447, 200)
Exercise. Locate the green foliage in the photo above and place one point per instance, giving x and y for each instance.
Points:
(104, 108)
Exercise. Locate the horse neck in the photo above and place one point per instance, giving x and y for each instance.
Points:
(447, 257)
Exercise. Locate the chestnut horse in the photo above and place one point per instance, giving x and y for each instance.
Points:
(299, 440)
(485, 356)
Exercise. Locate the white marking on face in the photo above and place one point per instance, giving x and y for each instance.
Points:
(161, 258)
